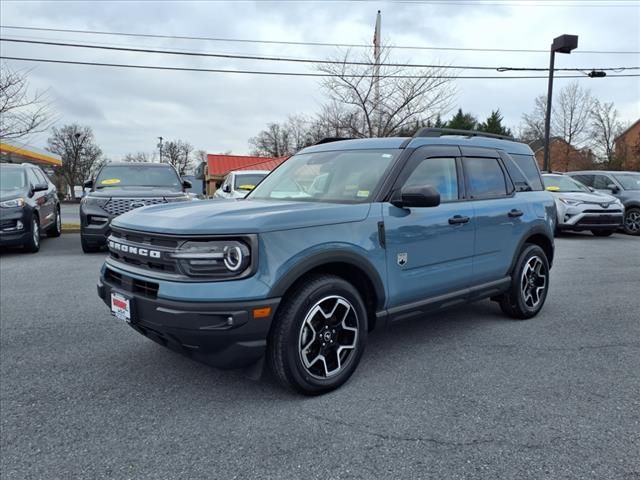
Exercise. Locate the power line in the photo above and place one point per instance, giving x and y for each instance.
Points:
(313, 44)
(288, 74)
(301, 60)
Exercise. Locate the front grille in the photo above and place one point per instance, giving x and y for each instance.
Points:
(601, 220)
(118, 206)
(136, 241)
(6, 224)
(619, 212)
(130, 284)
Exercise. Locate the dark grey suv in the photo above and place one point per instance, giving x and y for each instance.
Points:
(121, 187)
(623, 185)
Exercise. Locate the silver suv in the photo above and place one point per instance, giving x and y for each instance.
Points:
(582, 209)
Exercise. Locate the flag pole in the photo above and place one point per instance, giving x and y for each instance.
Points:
(376, 71)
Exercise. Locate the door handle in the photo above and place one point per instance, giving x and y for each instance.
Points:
(515, 213)
(457, 219)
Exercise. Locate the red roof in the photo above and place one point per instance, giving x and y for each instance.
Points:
(223, 164)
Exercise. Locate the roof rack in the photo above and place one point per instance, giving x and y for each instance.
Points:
(331, 139)
(442, 132)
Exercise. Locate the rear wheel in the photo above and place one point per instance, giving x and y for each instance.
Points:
(529, 284)
(88, 247)
(318, 336)
(602, 233)
(632, 221)
(56, 229)
(33, 243)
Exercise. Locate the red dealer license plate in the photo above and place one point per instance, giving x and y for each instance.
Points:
(121, 307)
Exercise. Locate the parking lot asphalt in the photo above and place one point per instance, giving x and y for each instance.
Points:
(461, 394)
(70, 212)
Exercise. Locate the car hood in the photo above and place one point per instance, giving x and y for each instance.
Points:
(593, 197)
(238, 216)
(10, 194)
(130, 192)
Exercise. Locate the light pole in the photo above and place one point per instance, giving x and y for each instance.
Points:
(160, 147)
(561, 44)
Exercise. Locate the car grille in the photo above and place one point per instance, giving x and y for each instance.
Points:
(130, 284)
(601, 220)
(7, 224)
(164, 263)
(118, 206)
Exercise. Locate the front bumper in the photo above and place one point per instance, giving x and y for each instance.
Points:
(589, 217)
(95, 224)
(225, 335)
(10, 235)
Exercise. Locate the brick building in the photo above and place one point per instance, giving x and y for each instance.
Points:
(563, 157)
(627, 146)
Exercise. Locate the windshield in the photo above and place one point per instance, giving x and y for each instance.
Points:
(138, 176)
(629, 181)
(561, 183)
(11, 179)
(247, 181)
(341, 176)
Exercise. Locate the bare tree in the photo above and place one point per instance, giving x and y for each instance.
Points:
(139, 157)
(532, 127)
(401, 101)
(571, 114)
(282, 139)
(200, 156)
(21, 113)
(178, 154)
(81, 156)
(605, 127)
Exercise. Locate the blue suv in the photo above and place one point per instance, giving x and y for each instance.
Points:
(342, 238)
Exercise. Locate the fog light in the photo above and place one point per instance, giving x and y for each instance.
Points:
(19, 225)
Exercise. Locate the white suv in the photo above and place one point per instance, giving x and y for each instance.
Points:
(238, 184)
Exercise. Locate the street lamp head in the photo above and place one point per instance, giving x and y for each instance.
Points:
(564, 43)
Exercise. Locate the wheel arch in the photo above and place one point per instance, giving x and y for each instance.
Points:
(536, 237)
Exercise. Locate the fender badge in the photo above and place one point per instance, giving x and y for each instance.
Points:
(402, 259)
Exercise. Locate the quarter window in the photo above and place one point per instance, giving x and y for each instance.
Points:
(485, 178)
(439, 173)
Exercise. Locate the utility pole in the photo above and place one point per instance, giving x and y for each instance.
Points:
(160, 147)
(376, 72)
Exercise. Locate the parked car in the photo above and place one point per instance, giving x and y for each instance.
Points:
(239, 184)
(623, 185)
(396, 227)
(121, 187)
(28, 206)
(582, 209)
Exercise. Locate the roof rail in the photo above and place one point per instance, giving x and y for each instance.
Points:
(442, 132)
(331, 139)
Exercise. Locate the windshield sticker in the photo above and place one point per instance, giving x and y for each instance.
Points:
(110, 181)
(246, 187)
(362, 193)
(553, 188)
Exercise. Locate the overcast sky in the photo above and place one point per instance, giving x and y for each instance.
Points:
(217, 112)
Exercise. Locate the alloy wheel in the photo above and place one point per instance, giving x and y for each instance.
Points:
(328, 337)
(35, 232)
(533, 282)
(632, 222)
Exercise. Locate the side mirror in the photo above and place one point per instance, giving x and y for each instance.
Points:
(226, 188)
(186, 184)
(88, 184)
(418, 196)
(591, 189)
(613, 187)
(40, 187)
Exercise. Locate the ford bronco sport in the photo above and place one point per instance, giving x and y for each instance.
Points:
(340, 239)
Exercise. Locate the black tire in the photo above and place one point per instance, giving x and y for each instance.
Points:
(88, 247)
(632, 221)
(302, 311)
(56, 229)
(602, 233)
(525, 297)
(33, 244)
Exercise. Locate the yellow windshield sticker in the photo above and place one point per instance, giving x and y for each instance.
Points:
(246, 187)
(362, 193)
(553, 188)
(110, 181)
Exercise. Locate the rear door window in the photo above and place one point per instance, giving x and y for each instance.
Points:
(485, 178)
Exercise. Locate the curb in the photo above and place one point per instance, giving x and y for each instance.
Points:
(70, 228)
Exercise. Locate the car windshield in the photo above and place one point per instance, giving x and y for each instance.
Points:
(11, 179)
(629, 181)
(247, 181)
(138, 176)
(349, 176)
(561, 183)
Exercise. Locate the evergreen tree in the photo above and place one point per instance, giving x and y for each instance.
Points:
(493, 124)
(462, 121)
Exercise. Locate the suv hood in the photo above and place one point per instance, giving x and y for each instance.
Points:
(593, 197)
(129, 192)
(238, 216)
(11, 194)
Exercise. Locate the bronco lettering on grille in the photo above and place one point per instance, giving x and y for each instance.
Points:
(143, 252)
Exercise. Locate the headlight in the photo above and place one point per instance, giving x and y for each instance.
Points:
(16, 202)
(569, 201)
(181, 198)
(98, 201)
(219, 258)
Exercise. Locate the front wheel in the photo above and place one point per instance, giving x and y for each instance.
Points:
(56, 229)
(33, 243)
(318, 336)
(602, 233)
(529, 284)
(632, 221)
